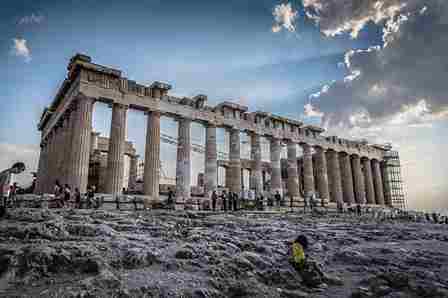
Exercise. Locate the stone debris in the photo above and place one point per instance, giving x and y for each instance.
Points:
(96, 253)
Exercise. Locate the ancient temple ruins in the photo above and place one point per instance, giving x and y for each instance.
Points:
(336, 169)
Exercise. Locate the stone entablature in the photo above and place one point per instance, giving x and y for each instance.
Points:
(106, 84)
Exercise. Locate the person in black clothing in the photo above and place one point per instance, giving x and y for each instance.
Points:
(90, 196)
(170, 199)
(214, 198)
(77, 198)
(224, 200)
(229, 200)
(235, 201)
(358, 209)
(278, 198)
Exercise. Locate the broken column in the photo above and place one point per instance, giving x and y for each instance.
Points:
(151, 173)
(234, 162)
(368, 181)
(115, 157)
(211, 160)
(347, 178)
(378, 182)
(358, 180)
(276, 172)
(308, 172)
(183, 167)
(256, 174)
(293, 176)
(79, 161)
(335, 176)
(321, 173)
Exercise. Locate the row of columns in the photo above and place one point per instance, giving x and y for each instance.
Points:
(66, 153)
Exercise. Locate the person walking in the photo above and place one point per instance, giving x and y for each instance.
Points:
(214, 199)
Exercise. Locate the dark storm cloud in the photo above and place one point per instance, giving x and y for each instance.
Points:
(403, 81)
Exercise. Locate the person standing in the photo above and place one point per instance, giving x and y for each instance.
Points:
(235, 201)
(224, 200)
(66, 195)
(278, 198)
(77, 198)
(170, 199)
(214, 198)
(305, 204)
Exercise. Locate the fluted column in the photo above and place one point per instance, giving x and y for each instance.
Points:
(234, 162)
(183, 168)
(211, 160)
(347, 178)
(276, 174)
(133, 168)
(368, 181)
(115, 157)
(378, 182)
(79, 161)
(335, 176)
(358, 179)
(51, 162)
(321, 174)
(293, 175)
(40, 169)
(151, 175)
(256, 174)
(308, 172)
(67, 148)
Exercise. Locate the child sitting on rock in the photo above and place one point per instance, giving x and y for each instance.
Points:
(309, 270)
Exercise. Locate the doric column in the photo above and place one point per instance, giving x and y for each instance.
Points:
(293, 175)
(276, 174)
(183, 167)
(211, 160)
(133, 169)
(368, 181)
(378, 182)
(347, 178)
(335, 176)
(321, 173)
(79, 161)
(256, 174)
(40, 169)
(308, 173)
(358, 180)
(234, 162)
(67, 147)
(115, 156)
(151, 175)
(51, 161)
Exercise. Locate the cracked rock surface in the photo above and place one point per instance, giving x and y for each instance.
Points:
(98, 253)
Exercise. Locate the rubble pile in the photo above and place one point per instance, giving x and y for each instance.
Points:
(97, 253)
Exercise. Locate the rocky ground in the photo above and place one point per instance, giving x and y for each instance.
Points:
(88, 253)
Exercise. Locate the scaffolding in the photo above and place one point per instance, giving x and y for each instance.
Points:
(393, 183)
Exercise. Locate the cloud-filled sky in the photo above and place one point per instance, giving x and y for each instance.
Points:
(362, 69)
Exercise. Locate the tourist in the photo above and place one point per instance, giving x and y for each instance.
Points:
(235, 201)
(305, 204)
(170, 200)
(214, 198)
(358, 209)
(77, 197)
(90, 196)
(223, 200)
(261, 202)
(66, 194)
(278, 198)
(117, 202)
(308, 269)
(12, 194)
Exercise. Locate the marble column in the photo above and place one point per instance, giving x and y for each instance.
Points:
(276, 173)
(211, 160)
(133, 169)
(183, 167)
(335, 176)
(234, 162)
(358, 179)
(321, 173)
(368, 181)
(40, 169)
(293, 175)
(115, 156)
(378, 182)
(308, 172)
(51, 162)
(67, 148)
(79, 161)
(151, 174)
(347, 178)
(256, 174)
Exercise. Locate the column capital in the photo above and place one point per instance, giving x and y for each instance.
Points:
(153, 112)
(119, 105)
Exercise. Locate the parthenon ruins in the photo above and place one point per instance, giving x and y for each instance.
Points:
(336, 169)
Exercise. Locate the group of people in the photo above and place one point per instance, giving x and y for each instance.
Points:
(232, 201)
(66, 198)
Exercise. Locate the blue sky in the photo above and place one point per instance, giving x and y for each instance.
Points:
(225, 49)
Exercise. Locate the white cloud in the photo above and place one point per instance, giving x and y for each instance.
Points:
(284, 17)
(311, 111)
(20, 49)
(31, 19)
